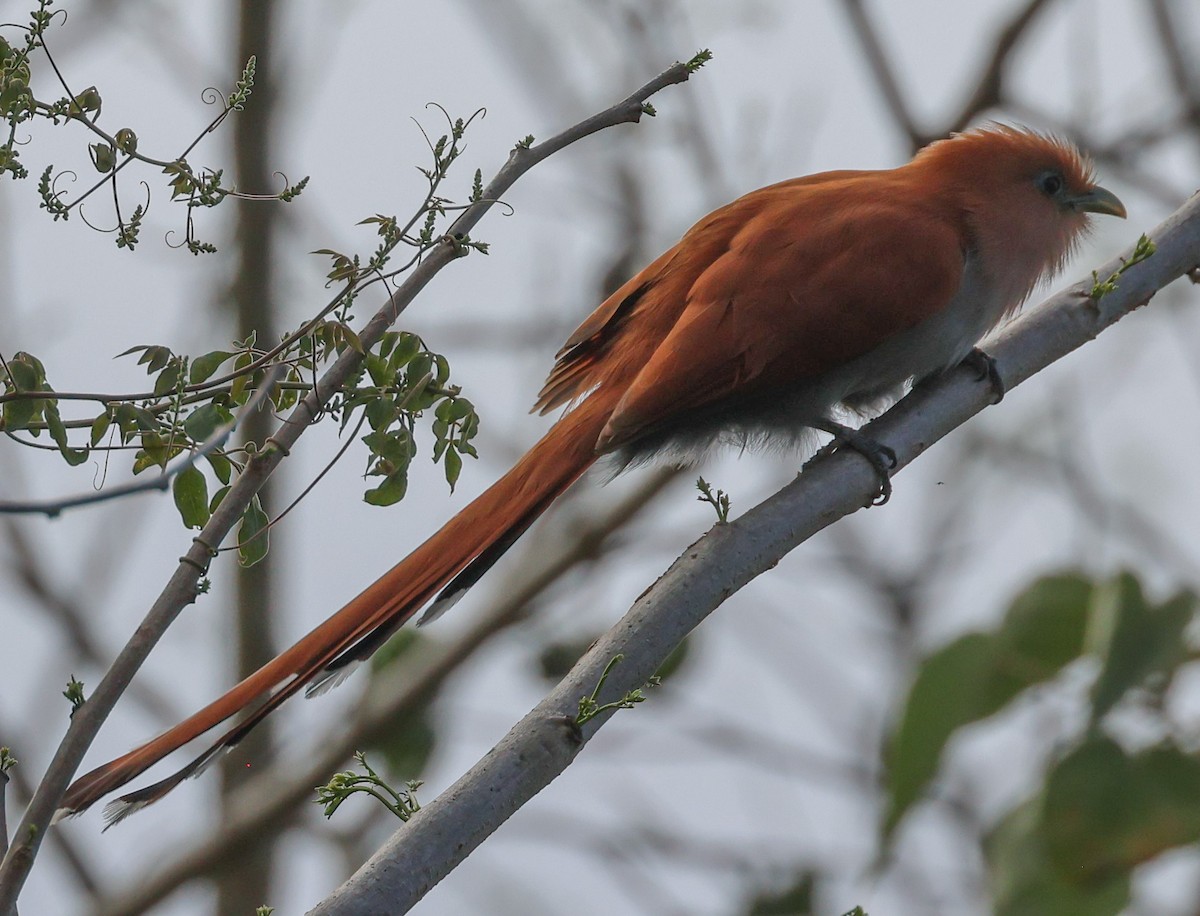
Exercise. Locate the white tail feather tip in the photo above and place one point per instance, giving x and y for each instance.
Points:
(330, 679)
(439, 607)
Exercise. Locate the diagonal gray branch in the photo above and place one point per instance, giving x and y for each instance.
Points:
(833, 485)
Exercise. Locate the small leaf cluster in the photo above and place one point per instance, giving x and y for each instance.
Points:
(1141, 251)
(718, 499)
(111, 153)
(406, 380)
(421, 230)
(590, 705)
(1105, 805)
(181, 412)
(74, 694)
(17, 104)
(27, 402)
(701, 58)
(401, 802)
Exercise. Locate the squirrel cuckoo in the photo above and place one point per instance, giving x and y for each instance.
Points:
(771, 313)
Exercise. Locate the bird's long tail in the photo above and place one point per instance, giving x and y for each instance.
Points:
(451, 561)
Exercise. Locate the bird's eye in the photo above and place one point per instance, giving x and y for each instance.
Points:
(1050, 183)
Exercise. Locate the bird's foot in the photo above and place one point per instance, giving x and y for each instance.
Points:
(881, 458)
(985, 368)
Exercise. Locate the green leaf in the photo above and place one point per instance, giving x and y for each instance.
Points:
(1107, 812)
(21, 376)
(24, 375)
(100, 427)
(58, 432)
(351, 339)
(155, 452)
(204, 421)
(378, 368)
(19, 414)
(104, 156)
(388, 493)
(237, 388)
(87, 101)
(1046, 625)
(420, 366)
(253, 534)
(460, 409)
(406, 347)
(221, 466)
(145, 420)
(204, 366)
(394, 451)
(191, 497)
(452, 462)
(123, 415)
(132, 420)
(216, 499)
(387, 340)
(138, 349)
(380, 414)
(127, 140)
(168, 379)
(1139, 642)
(443, 369)
(1024, 881)
(976, 675)
(155, 358)
(951, 690)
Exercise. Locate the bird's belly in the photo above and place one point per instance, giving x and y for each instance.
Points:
(784, 416)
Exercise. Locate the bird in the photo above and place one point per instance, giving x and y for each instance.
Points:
(771, 317)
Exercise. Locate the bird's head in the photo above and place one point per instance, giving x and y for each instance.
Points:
(1027, 198)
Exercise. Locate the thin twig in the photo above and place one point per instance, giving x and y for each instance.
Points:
(1180, 63)
(989, 87)
(885, 75)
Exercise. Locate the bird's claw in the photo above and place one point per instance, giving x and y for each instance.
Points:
(985, 368)
(882, 458)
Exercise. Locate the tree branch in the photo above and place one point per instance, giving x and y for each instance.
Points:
(834, 484)
(181, 587)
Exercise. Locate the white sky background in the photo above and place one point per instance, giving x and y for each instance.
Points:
(786, 94)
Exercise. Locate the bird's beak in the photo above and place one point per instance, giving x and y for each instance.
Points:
(1099, 200)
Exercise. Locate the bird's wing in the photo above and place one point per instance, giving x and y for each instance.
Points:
(811, 280)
